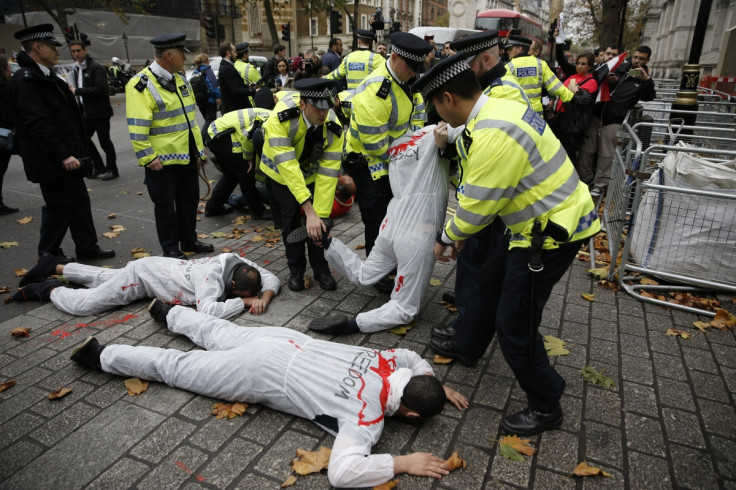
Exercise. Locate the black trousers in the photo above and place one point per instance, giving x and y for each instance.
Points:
(234, 171)
(209, 112)
(101, 126)
(291, 219)
(66, 207)
(4, 161)
(373, 197)
(175, 194)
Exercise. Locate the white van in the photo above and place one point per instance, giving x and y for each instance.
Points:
(442, 34)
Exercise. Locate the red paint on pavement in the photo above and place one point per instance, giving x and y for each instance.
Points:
(107, 323)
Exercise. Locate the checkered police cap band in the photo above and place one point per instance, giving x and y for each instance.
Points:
(455, 69)
(316, 94)
(480, 46)
(409, 56)
(170, 45)
(38, 36)
(518, 42)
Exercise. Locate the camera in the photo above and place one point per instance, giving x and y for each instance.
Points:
(377, 24)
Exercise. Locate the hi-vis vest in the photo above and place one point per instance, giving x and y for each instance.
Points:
(356, 66)
(381, 113)
(159, 121)
(242, 121)
(285, 131)
(507, 87)
(513, 167)
(248, 72)
(532, 73)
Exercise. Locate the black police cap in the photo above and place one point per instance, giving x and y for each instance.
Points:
(440, 74)
(242, 48)
(413, 49)
(318, 91)
(170, 41)
(41, 32)
(476, 43)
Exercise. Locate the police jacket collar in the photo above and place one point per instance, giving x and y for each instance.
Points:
(477, 107)
(160, 71)
(496, 72)
(27, 62)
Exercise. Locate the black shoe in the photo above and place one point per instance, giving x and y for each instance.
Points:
(64, 259)
(110, 176)
(264, 216)
(326, 281)
(45, 267)
(37, 291)
(96, 254)
(224, 209)
(198, 247)
(385, 285)
(88, 354)
(175, 254)
(4, 209)
(447, 348)
(94, 175)
(529, 422)
(296, 282)
(300, 234)
(446, 332)
(332, 324)
(158, 310)
(448, 297)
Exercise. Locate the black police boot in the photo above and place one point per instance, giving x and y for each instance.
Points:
(224, 209)
(326, 281)
(529, 422)
(158, 310)
(198, 247)
(296, 282)
(88, 354)
(46, 267)
(447, 348)
(96, 254)
(448, 297)
(445, 332)
(333, 324)
(37, 291)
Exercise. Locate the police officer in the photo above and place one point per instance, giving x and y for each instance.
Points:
(232, 143)
(383, 108)
(533, 73)
(160, 108)
(356, 66)
(514, 170)
(248, 72)
(301, 158)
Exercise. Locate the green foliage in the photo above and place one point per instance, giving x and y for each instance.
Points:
(509, 452)
(591, 375)
(443, 20)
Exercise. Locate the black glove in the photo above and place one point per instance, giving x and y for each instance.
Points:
(583, 98)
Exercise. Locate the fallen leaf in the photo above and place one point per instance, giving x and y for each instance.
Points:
(591, 375)
(648, 282)
(402, 329)
(112, 216)
(137, 250)
(434, 282)
(257, 238)
(438, 359)
(228, 410)
(6, 385)
(225, 250)
(117, 228)
(5, 289)
(702, 326)
(360, 246)
(20, 332)
(202, 235)
(387, 486)
(139, 193)
(289, 481)
(677, 333)
(140, 255)
(56, 394)
(647, 294)
(455, 461)
(723, 320)
(124, 192)
(588, 296)
(218, 234)
(26, 220)
(136, 386)
(449, 306)
(521, 445)
(307, 282)
(111, 234)
(583, 469)
(311, 461)
(509, 452)
(8, 244)
(555, 346)
(212, 181)
(599, 273)
(20, 272)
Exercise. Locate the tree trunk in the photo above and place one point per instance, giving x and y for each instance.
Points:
(610, 21)
(356, 16)
(271, 24)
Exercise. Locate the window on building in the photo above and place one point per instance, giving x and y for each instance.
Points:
(313, 27)
(363, 21)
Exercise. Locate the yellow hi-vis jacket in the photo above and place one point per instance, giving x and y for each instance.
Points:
(242, 121)
(248, 72)
(507, 87)
(515, 168)
(381, 113)
(356, 66)
(285, 132)
(159, 121)
(532, 73)
(346, 102)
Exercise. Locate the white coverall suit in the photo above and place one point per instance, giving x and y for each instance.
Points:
(347, 389)
(203, 282)
(419, 182)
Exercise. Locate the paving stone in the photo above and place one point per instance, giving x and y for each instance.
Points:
(646, 471)
(213, 434)
(121, 475)
(87, 452)
(254, 481)
(644, 434)
(480, 424)
(473, 475)
(670, 366)
(25, 380)
(163, 399)
(693, 468)
(230, 462)
(395, 437)
(725, 355)
(675, 394)
(603, 443)
(162, 440)
(182, 465)
(640, 399)
(637, 369)
(723, 456)
(683, 427)
(20, 402)
(615, 481)
(494, 391)
(64, 423)
(573, 380)
(572, 407)
(633, 345)
(558, 451)
(603, 328)
(266, 427)
(463, 375)
(18, 427)
(699, 359)
(603, 405)
(109, 393)
(14, 369)
(709, 386)
(435, 435)
(515, 473)
(16, 456)
(718, 418)
(604, 351)
(546, 480)
(274, 462)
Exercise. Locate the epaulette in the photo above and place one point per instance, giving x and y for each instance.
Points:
(288, 114)
(346, 103)
(385, 88)
(142, 83)
(334, 127)
(495, 83)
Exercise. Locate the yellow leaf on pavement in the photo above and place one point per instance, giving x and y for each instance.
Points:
(455, 461)
(402, 329)
(723, 320)
(5, 289)
(387, 486)
(112, 216)
(20, 272)
(140, 255)
(702, 326)
(583, 469)
(218, 234)
(117, 228)
(289, 481)
(311, 461)
(434, 282)
(521, 445)
(438, 359)
(136, 386)
(228, 410)
(56, 394)
(257, 238)
(8, 384)
(8, 244)
(202, 235)
(307, 282)
(648, 282)
(555, 346)
(599, 273)
(20, 332)
(26, 220)
(360, 246)
(588, 296)
(111, 234)
(677, 333)
(137, 250)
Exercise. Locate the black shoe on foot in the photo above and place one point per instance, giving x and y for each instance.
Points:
(332, 324)
(296, 282)
(218, 211)
(447, 348)
(110, 176)
(37, 291)
(264, 216)
(158, 310)
(446, 332)
(529, 422)
(198, 247)
(7, 209)
(326, 281)
(88, 354)
(45, 267)
(175, 254)
(448, 297)
(96, 254)
(385, 285)
(64, 259)
(300, 234)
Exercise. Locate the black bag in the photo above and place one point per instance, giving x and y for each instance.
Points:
(199, 87)
(6, 139)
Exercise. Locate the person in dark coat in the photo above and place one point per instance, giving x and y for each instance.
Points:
(52, 140)
(235, 93)
(6, 122)
(90, 86)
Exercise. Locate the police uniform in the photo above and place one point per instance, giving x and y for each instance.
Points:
(533, 74)
(232, 144)
(356, 66)
(383, 110)
(160, 108)
(515, 169)
(302, 162)
(249, 73)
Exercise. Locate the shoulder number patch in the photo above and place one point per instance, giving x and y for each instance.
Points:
(335, 128)
(534, 120)
(385, 88)
(288, 114)
(142, 83)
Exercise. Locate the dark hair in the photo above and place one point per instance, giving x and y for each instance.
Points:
(77, 43)
(646, 50)
(612, 46)
(425, 395)
(334, 41)
(599, 51)
(224, 49)
(323, 70)
(465, 85)
(589, 57)
(247, 279)
(278, 47)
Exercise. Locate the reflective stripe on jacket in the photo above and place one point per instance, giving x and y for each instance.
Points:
(356, 66)
(159, 121)
(533, 73)
(248, 72)
(507, 87)
(242, 122)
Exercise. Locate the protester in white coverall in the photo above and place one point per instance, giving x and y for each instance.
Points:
(346, 389)
(419, 182)
(206, 283)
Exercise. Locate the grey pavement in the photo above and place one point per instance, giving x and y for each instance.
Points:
(668, 422)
